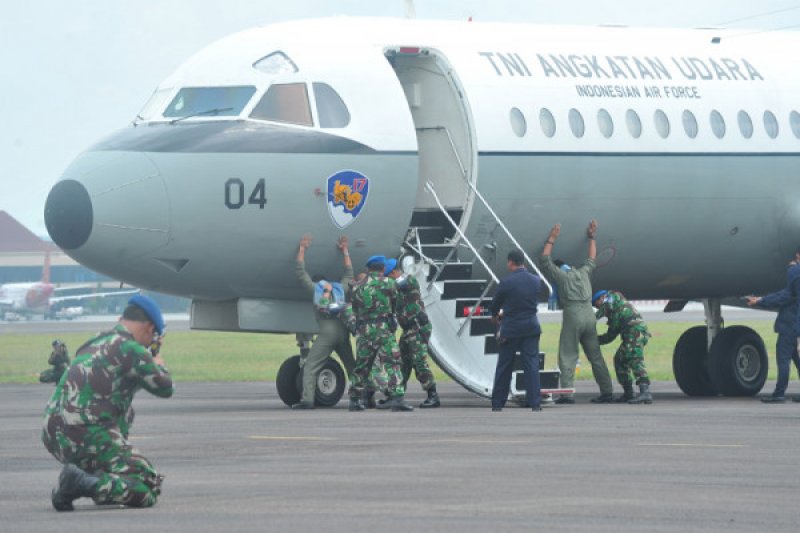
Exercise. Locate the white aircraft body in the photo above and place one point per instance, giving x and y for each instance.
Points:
(454, 142)
(18, 300)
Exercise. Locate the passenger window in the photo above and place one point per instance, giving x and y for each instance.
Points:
(770, 124)
(794, 121)
(285, 103)
(634, 123)
(605, 123)
(331, 110)
(717, 124)
(209, 101)
(662, 124)
(547, 122)
(689, 124)
(576, 123)
(518, 124)
(745, 124)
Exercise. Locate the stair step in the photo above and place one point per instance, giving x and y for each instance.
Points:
(433, 234)
(453, 271)
(547, 378)
(434, 217)
(480, 325)
(490, 345)
(438, 252)
(463, 289)
(463, 307)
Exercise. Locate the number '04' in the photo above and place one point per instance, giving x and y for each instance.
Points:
(235, 193)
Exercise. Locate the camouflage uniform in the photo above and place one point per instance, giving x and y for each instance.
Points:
(373, 305)
(59, 360)
(417, 329)
(87, 420)
(625, 320)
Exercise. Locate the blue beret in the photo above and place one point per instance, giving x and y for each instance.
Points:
(150, 308)
(598, 294)
(391, 264)
(375, 259)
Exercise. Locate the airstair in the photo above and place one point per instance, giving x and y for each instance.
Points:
(457, 285)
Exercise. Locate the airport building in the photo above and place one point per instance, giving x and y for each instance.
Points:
(23, 256)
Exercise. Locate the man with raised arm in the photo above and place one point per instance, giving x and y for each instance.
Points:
(333, 333)
(579, 326)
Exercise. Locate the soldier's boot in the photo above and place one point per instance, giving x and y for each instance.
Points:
(605, 397)
(432, 400)
(385, 403)
(369, 399)
(627, 393)
(356, 405)
(400, 404)
(644, 395)
(73, 483)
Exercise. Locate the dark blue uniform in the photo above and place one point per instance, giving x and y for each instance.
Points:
(517, 295)
(786, 326)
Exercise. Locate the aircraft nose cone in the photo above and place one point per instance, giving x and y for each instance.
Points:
(68, 214)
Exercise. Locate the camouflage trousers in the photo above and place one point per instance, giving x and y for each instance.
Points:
(125, 476)
(629, 359)
(414, 355)
(376, 346)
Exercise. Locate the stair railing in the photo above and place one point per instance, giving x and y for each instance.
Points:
(492, 212)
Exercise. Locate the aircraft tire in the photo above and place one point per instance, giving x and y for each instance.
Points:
(288, 380)
(737, 362)
(689, 363)
(330, 384)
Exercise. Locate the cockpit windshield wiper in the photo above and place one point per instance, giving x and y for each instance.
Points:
(215, 111)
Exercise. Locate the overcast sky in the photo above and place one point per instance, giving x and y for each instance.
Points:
(74, 71)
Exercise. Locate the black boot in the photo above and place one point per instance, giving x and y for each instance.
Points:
(644, 395)
(603, 398)
(400, 404)
(73, 483)
(627, 393)
(432, 400)
(356, 405)
(369, 399)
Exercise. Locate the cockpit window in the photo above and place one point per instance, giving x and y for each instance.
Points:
(285, 103)
(331, 109)
(154, 105)
(275, 63)
(209, 101)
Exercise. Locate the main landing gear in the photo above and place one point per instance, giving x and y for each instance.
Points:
(710, 360)
(331, 380)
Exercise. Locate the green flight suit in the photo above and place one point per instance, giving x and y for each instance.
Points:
(333, 336)
(579, 326)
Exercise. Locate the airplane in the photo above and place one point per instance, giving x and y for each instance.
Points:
(450, 143)
(22, 300)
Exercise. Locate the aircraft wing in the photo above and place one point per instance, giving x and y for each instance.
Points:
(89, 295)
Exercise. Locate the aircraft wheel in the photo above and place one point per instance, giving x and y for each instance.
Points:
(289, 380)
(737, 362)
(690, 363)
(331, 382)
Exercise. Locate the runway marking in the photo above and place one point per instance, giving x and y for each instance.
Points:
(278, 437)
(480, 441)
(690, 445)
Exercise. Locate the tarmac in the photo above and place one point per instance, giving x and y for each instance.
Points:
(236, 459)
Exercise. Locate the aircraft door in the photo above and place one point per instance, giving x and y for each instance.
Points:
(447, 152)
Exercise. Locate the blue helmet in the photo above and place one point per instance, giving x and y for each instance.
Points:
(390, 265)
(376, 259)
(150, 308)
(597, 295)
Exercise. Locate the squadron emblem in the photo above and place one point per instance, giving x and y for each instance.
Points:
(347, 195)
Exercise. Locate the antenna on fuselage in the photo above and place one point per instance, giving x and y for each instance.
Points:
(411, 12)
